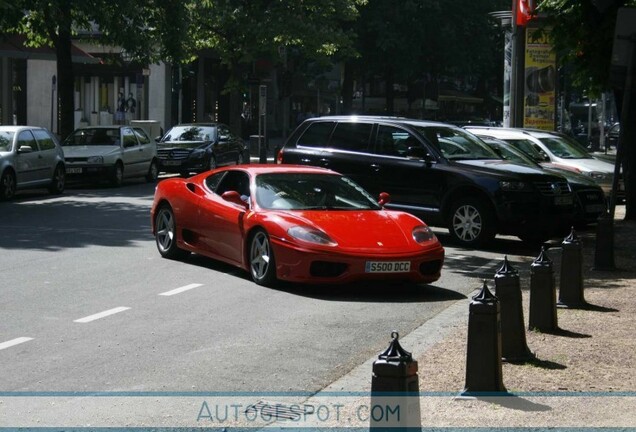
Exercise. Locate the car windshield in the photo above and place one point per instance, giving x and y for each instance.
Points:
(190, 133)
(93, 136)
(457, 144)
(304, 191)
(560, 147)
(6, 138)
(509, 154)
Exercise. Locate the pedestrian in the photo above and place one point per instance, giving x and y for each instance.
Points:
(120, 114)
(131, 104)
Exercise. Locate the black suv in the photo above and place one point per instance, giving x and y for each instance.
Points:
(439, 172)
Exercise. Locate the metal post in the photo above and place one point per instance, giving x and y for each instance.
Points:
(543, 312)
(483, 354)
(513, 334)
(604, 248)
(571, 281)
(395, 384)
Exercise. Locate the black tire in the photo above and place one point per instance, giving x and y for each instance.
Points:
(153, 172)
(240, 160)
(261, 259)
(166, 234)
(8, 185)
(58, 182)
(118, 175)
(471, 222)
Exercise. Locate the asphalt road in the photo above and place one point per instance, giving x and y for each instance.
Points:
(88, 305)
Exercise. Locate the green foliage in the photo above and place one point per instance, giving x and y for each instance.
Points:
(583, 36)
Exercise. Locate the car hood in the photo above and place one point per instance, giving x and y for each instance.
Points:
(588, 165)
(571, 176)
(368, 231)
(189, 145)
(501, 166)
(92, 150)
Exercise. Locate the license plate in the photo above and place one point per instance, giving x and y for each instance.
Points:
(387, 266)
(594, 208)
(171, 163)
(563, 200)
(73, 170)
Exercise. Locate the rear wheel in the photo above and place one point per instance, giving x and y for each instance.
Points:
(7, 185)
(118, 175)
(58, 181)
(239, 159)
(262, 262)
(212, 164)
(471, 222)
(153, 172)
(166, 234)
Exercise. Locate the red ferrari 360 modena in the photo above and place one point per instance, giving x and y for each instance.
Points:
(293, 223)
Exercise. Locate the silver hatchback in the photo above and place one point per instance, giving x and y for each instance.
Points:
(30, 157)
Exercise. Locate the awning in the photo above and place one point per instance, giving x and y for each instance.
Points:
(13, 46)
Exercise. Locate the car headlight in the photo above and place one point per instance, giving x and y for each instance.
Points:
(599, 176)
(422, 234)
(197, 154)
(95, 159)
(311, 235)
(509, 185)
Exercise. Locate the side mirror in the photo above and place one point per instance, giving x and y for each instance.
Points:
(25, 149)
(385, 198)
(234, 198)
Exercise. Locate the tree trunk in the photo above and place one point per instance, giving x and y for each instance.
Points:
(65, 83)
(347, 89)
(629, 161)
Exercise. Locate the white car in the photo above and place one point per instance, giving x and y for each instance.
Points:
(110, 153)
(544, 146)
(30, 157)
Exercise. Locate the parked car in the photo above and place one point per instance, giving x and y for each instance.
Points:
(198, 147)
(439, 172)
(590, 200)
(111, 153)
(545, 146)
(30, 157)
(293, 223)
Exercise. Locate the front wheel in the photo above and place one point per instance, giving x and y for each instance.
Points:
(262, 262)
(59, 181)
(240, 160)
(118, 175)
(471, 222)
(166, 234)
(8, 185)
(212, 164)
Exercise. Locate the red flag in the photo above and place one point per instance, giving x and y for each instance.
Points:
(525, 11)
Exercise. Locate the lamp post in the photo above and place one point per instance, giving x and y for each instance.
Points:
(53, 86)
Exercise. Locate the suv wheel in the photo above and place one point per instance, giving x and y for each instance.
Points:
(471, 222)
(153, 172)
(212, 164)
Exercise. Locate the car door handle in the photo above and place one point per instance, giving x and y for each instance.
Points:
(305, 161)
(324, 162)
(375, 167)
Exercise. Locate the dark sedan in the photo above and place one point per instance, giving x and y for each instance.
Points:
(199, 147)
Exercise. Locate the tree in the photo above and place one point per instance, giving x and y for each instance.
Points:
(583, 35)
(241, 32)
(146, 29)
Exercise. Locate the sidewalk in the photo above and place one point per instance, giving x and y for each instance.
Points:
(583, 376)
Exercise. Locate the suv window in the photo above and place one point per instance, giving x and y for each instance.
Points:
(44, 139)
(351, 136)
(317, 134)
(26, 139)
(528, 147)
(394, 141)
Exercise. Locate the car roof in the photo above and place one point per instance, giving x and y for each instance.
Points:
(502, 131)
(197, 124)
(256, 169)
(15, 128)
(390, 119)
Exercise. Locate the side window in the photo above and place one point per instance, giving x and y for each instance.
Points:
(26, 139)
(129, 138)
(141, 136)
(316, 135)
(237, 181)
(212, 182)
(394, 141)
(45, 140)
(224, 132)
(351, 136)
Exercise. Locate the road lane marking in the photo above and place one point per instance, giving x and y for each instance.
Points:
(14, 342)
(180, 290)
(101, 314)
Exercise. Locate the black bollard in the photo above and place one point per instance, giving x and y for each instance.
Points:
(571, 281)
(395, 390)
(604, 250)
(483, 354)
(543, 312)
(513, 331)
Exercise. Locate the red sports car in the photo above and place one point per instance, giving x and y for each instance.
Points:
(293, 223)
